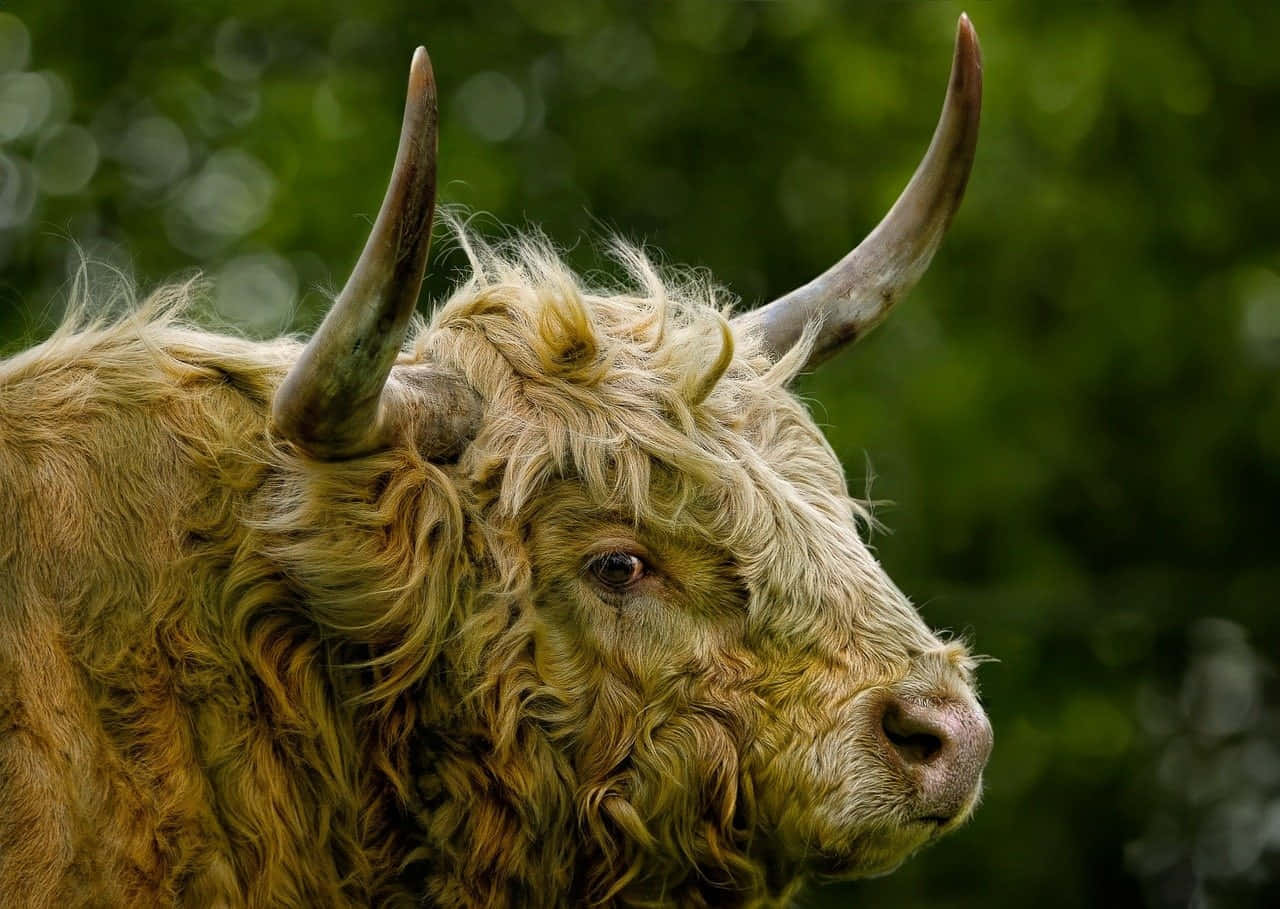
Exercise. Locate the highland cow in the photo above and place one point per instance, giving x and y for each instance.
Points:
(557, 599)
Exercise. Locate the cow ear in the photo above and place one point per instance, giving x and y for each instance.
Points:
(435, 409)
(855, 294)
(335, 402)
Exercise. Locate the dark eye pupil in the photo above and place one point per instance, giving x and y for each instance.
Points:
(618, 569)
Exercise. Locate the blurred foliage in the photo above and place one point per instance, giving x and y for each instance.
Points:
(1077, 416)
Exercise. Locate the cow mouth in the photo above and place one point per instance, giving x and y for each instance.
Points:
(871, 848)
(940, 824)
(879, 854)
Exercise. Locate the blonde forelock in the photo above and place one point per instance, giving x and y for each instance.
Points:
(603, 384)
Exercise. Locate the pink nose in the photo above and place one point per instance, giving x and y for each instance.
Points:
(943, 745)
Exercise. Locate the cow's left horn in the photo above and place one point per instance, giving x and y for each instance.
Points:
(334, 402)
(851, 297)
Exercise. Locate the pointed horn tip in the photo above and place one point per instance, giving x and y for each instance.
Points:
(966, 67)
(967, 46)
(421, 76)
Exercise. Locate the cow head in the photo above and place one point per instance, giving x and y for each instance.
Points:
(673, 636)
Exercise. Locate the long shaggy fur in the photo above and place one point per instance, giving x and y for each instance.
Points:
(233, 675)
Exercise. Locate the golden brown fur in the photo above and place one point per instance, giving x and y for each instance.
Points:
(232, 675)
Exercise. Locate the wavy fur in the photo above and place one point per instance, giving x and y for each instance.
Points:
(232, 675)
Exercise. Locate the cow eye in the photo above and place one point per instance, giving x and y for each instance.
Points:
(617, 570)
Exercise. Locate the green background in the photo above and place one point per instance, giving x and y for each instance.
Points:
(1075, 419)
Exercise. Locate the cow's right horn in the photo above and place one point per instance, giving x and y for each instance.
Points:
(852, 296)
(335, 403)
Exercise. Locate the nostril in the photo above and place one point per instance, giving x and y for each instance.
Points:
(940, 746)
(916, 740)
(920, 748)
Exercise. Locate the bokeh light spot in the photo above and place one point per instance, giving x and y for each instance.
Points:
(17, 190)
(257, 291)
(492, 106)
(154, 152)
(229, 197)
(26, 100)
(66, 160)
(240, 52)
(15, 43)
(1259, 290)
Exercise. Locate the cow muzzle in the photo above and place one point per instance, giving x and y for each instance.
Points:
(941, 747)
